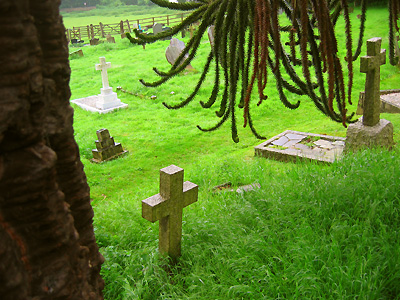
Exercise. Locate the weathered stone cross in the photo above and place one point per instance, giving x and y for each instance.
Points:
(103, 66)
(167, 208)
(370, 64)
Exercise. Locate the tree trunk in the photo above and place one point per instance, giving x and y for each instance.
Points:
(47, 243)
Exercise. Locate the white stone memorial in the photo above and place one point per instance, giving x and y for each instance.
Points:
(107, 100)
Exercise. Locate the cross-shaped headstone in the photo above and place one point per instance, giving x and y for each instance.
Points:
(103, 66)
(167, 208)
(370, 64)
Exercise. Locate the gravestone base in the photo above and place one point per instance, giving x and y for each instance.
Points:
(90, 104)
(107, 99)
(108, 154)
(360, 136)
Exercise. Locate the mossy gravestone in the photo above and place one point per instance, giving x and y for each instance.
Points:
(370, 130)
(167, 208)
(106, 148)
(174, 50)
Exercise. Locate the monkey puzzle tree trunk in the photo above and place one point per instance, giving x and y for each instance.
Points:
(47, 244)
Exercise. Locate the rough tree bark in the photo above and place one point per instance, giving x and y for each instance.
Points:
(47, 243)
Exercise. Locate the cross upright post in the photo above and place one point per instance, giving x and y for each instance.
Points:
(167, 208)
(103, 66)
(370, 65)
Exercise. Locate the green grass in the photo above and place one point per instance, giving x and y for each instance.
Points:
(310, 232)
(113, 15)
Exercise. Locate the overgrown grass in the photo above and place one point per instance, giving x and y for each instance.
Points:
(310, 232)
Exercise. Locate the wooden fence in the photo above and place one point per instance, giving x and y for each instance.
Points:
(101, 30)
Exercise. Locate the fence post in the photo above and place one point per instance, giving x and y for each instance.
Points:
(153, 21)
(92, 31)
(102, 30)
(88, 31)
(167, 20)
(121, 27)
(128, 25)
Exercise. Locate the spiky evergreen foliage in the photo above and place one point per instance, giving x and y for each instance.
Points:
(250, 41)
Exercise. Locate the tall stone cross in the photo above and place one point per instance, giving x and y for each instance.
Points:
(103, 66)
(370, 64)
(167, 208)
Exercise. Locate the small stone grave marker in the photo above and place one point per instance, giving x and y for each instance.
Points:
(76, 53)
(110, 39)
(167, 208)
(173, 51)
(94, 42)
(370, 130)
(157, 28)
(106, 148)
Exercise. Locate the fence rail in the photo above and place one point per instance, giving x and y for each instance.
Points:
(101, 30)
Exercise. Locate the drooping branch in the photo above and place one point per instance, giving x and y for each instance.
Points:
(251, 39)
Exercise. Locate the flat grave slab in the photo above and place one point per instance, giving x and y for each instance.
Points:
(89, 104)
(292, 145)
(390, 102)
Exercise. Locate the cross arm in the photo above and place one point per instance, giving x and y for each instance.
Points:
(100, 67)
(154, 208)
(190, 193)
(369, 63)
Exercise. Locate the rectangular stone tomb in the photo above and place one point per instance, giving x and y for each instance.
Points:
(106, 148)
(292, 145)
(390, 102)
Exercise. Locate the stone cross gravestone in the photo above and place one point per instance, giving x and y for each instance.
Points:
(107, 98)
(167, 208)
(173, 51)
(370, 65)
(106, 148)
(105, 102)
(370, 130)
(157, 28)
